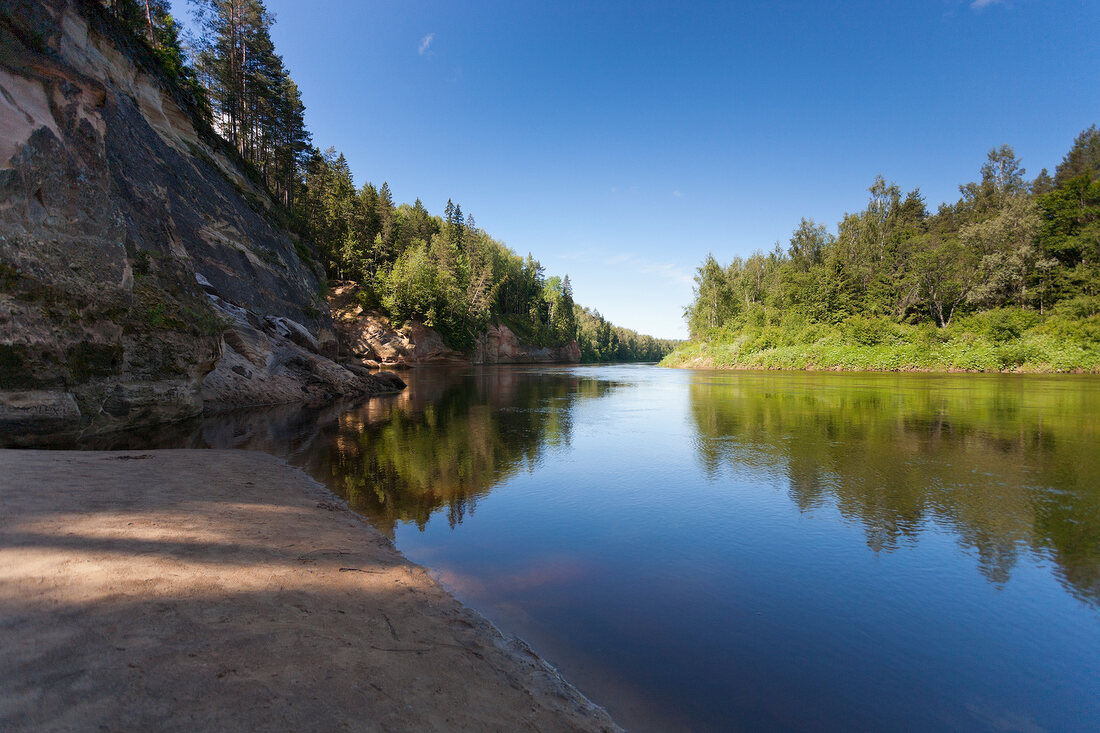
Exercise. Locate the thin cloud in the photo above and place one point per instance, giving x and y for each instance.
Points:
(575, 257)
(668, 271)
(979, 4)
(677, 194)
(664, 270)
(427, 41)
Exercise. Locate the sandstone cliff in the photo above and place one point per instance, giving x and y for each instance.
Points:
(369, 338)
(143, 276)
(500, 345)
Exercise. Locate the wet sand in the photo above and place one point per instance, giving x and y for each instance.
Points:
(225, 590)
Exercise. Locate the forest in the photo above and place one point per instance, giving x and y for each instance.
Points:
(440, 269)
(1005, 278)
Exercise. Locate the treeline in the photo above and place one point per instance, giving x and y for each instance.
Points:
(600, 340)
(442, 270)
(1010, 256)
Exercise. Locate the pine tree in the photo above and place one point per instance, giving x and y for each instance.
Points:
(1082, 159)
(459, 227)
(1042, 183)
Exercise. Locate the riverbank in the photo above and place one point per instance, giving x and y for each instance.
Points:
(1000, 341)
(195, 590)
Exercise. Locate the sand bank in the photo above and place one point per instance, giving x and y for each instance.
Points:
(225, 590)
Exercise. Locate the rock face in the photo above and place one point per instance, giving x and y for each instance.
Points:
(500, 345)
(139, 266)
(370, 338)
(274, 360)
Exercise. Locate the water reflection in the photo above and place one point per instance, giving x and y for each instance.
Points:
(1009, 464)
(439, 445)
(447, 441)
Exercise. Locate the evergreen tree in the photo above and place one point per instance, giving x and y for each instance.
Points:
(257, 108)
(1082, 159)
(1043, 183)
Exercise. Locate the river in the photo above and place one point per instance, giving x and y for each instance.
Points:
(722, 551)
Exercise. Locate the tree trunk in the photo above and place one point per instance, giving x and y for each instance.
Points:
(149, 20)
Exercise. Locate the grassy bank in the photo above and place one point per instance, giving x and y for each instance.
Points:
(1007, 339)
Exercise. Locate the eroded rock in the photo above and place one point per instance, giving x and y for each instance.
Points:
(500, 345)
(369, 337)
(276, 365)
(391, 380)
(129, 239)
(27, 412)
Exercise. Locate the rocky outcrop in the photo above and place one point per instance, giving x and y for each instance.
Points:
(500, 345)
(131, 244)
(368, 337)
(274, 360)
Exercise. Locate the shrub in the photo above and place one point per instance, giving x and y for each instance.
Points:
(768, 338)
(1068, 328)
(1000, 325)
(1010, 356)
(1083, 306)
(869, 331)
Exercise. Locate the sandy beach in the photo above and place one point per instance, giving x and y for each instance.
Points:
(224, 590)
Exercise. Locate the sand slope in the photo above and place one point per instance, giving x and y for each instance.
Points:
(200, 590)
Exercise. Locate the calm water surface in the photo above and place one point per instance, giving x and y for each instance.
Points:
(750, 551)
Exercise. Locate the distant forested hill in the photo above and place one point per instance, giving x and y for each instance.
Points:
(1005, 278)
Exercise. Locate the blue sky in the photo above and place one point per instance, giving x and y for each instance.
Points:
(622, 142)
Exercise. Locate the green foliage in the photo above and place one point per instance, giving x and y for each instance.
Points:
(150, 24)
(304, 253)
(368, 297)
(869, 330)
(1011, 339)
(1079, 307)
(445, 271)
(999, 325)
(600, 341)
(984, 284)
(1083, 159)
(154, 315)
(204, 321)
(257, 104)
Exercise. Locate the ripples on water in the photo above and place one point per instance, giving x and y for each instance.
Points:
(757, 551)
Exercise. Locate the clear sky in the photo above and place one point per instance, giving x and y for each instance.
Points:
(621, 142)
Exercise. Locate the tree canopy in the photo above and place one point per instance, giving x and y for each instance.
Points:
(1007, 244)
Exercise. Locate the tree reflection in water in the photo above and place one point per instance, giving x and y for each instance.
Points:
(1008, 464)
(447, 440)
